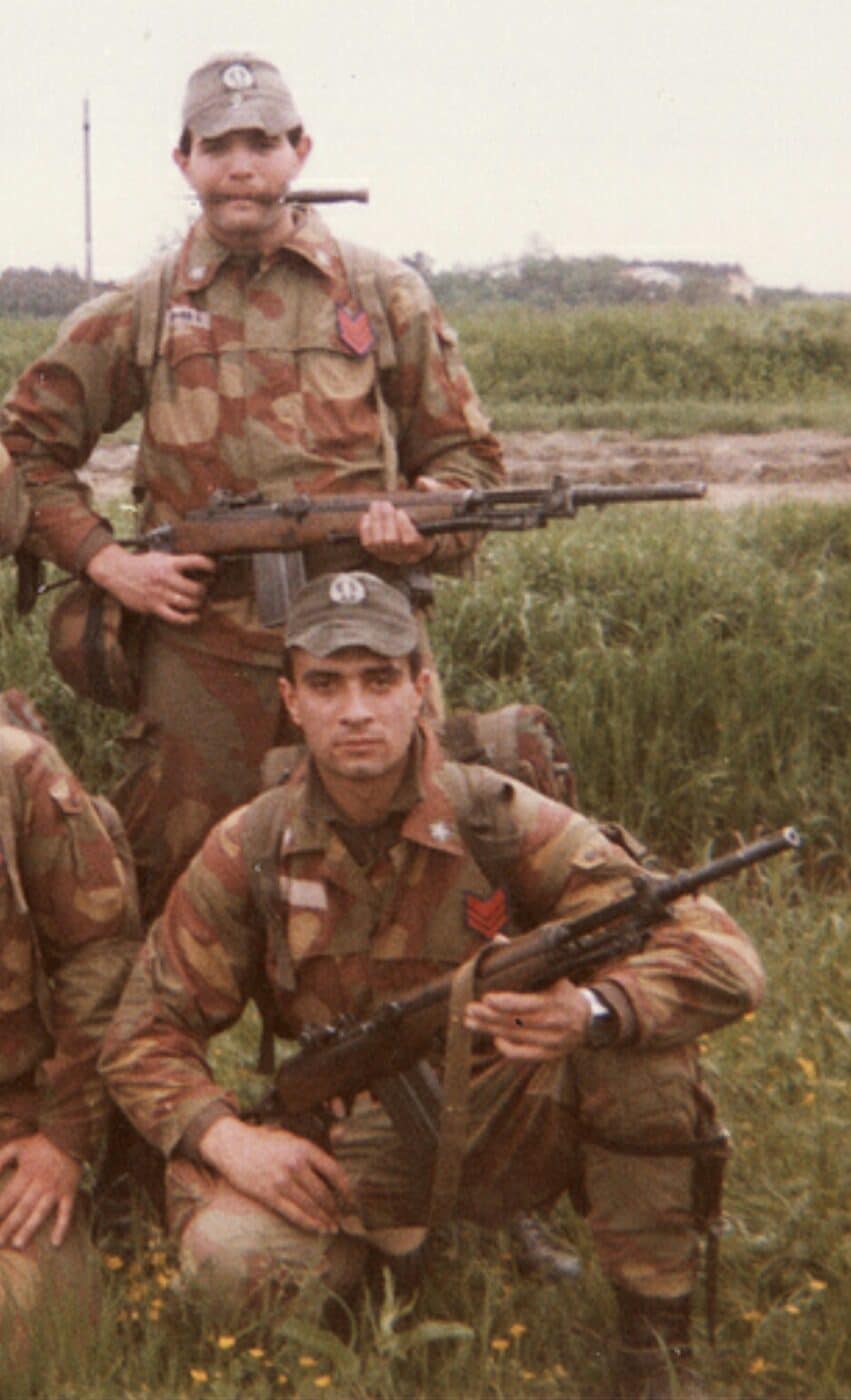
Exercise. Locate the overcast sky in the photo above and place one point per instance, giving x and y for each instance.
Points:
(716, 130)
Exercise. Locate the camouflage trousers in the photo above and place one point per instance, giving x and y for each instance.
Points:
(530, 1134)
(193, 753)
(43, 1286)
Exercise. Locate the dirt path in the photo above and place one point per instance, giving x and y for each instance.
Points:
(738, 469)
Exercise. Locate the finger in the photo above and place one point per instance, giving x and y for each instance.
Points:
(33, 1222)
(63, 1220)
(8, 1154)
(517, 1050)
(17, 1217)
(188, 564)
(513, 1003)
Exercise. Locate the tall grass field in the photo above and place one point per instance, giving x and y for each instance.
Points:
(698, 665)
(660, 369)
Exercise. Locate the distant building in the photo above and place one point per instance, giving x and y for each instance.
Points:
(652, 276)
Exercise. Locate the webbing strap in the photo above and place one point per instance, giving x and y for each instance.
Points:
(452, 1139)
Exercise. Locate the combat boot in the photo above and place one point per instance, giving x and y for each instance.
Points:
(654, 1351)
(538, 1252)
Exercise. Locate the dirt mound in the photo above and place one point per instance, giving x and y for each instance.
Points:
(738, 468)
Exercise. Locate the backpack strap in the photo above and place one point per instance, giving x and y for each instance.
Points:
(360, 267)
(261, 841)
(151, 295)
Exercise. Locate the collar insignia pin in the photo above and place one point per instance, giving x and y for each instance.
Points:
(440, 831)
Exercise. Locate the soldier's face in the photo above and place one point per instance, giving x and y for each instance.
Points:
(241, 179)
(357, 710)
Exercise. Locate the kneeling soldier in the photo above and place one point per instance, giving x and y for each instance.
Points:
(391, 865)
(69, 928)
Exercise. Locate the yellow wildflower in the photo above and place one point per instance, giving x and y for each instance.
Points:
(322, 1382)
(808, 1066)
(225, 1343)
(818, 1285)
(307, 1361)
(517, 1329)
(199, 1375)
(757, 1367)
(114, 1262)
(499, 1344)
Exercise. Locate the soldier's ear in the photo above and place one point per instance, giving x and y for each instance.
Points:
(290, 699)
(422, 681)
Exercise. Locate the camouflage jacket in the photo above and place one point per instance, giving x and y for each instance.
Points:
(266, 377)
(13, 506)
(477, 855)
(69, 929)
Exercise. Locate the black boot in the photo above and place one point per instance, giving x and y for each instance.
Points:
(654, 1351)
(537, 1251)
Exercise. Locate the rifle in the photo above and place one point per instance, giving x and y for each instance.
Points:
(385, 1052)
(232, 524)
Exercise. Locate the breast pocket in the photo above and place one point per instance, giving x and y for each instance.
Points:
(339, 400)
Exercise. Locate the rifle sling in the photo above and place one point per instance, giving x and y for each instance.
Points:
(452, 1141)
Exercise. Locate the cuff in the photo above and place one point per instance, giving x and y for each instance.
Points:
(615, 997)
(96, 540)
(187, 1146)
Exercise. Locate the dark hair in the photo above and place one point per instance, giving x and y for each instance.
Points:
(414, 659)
(184, 145)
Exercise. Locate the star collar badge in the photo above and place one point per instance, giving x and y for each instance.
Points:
(440, 831)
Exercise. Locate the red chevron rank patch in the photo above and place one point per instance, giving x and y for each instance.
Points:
(355, 330)
(487, 916)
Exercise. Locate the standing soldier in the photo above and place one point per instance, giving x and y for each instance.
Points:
(377, 866)
(265, 355)
(69, 927)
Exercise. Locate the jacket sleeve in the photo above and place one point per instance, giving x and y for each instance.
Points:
(440, 426)
(85, 385)
(82, 908)
(697, 971)
(192, 980)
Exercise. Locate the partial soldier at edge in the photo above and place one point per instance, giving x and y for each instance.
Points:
(69, 929)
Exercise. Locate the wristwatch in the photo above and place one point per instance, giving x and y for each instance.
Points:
(602, 1028)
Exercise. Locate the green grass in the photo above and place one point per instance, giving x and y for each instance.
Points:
(698, 663)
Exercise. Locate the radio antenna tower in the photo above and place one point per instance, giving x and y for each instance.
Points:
(87, 198)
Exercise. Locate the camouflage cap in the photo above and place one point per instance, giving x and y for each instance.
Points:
(236, 91)
(336, 611)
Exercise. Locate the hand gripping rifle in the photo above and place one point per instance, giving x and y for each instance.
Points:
(385, 1052)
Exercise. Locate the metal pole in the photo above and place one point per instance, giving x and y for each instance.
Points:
(87, 198)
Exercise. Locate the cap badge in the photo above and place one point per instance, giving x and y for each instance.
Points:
(237, 77)
(345, 588)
